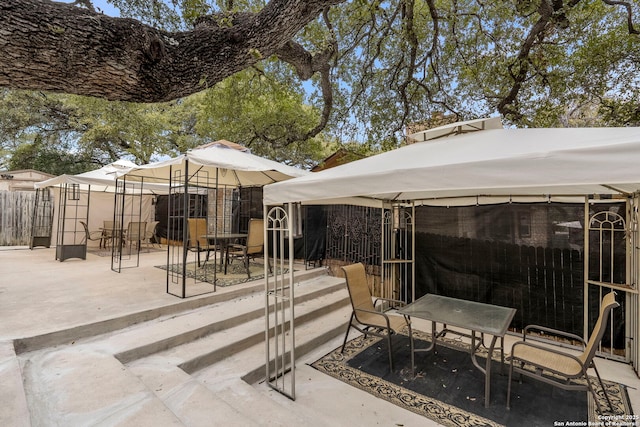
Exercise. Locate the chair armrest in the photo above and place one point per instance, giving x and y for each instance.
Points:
(235, 247)
(401, 303)
(547, 349)
(551, 331)
(379, 313)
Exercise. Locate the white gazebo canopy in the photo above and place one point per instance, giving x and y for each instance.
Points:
(226, 165)
(474, 163)
(104, 179)
(489, 166)
(101, 185)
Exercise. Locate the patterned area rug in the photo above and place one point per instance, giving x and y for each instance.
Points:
(448, 389)
(106, 252)
(236, 272)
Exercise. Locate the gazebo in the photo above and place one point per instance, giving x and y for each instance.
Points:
(470, 164)
(91, 198)
(217, 183)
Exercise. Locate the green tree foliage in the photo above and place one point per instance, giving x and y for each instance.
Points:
(267, 114)
(40, 156)
(251, 108)
(370, 68)
(537, 63)
(31, 127)
(84, 133)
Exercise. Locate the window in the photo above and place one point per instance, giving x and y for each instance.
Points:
(524, 224)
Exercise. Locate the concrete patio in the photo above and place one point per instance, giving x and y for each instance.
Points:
(82, 345)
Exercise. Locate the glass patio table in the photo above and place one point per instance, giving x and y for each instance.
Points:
(224, 239)
(477, 317)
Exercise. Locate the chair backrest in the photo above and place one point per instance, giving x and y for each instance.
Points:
(255, 236)
(87, 233)
(197, 228)
(110, 227)
(359, 291)
(608, 303)
(136, 230)
(86, 230)
(151, 229)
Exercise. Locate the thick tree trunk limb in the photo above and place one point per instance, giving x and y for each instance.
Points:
(58, 47)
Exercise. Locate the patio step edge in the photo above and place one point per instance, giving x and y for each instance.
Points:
(196, 404)
(302, 349)
(190, 334)
(256, 335)
(187, 399)
(69, 335)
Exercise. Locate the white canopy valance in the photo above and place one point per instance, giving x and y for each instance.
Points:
(104, 179)
(225, 166)
(488, 166)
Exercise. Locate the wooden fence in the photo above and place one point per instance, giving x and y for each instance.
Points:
(544, 284)
(16, 210)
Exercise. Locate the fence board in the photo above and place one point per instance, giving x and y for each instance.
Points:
(16, 208)
(543, 284)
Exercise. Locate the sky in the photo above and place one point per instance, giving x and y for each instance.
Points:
(106, 8)
(101, 6)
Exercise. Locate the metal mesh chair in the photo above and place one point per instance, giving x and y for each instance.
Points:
(111, 231)
(253, 247)
(365, 317)
(135, 233)
(198, 242)
(557, 367)
(150, 237)
(91, 235)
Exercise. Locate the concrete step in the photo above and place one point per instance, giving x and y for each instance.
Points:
(249, 364)
(227, 375)
(240, 390)
(197, 405)
(180, 330)
(245, 329)
(190, 401)
(89, 330)
(265, 411)
(144, 374)
(218, 347)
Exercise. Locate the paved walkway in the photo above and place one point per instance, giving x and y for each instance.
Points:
(39, 295)
(42, 298)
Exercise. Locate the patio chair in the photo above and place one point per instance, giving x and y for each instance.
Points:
(91, 235)
(254, 245)
(135, 233)
(150, 237)
(365, 318)
(197, 241)
(110, 231)
(557, 367)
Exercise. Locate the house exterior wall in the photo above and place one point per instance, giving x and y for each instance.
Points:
(21, 180)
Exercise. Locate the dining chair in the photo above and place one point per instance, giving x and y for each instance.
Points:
(91, 235)
(111, 232)
(253, 247)
(150, 237)
(561, 368)
(135, 233)
(365, 317)
(197, 240)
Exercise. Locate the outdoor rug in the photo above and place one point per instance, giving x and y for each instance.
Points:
(106, 252)
(448, 389)
(236, 272)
